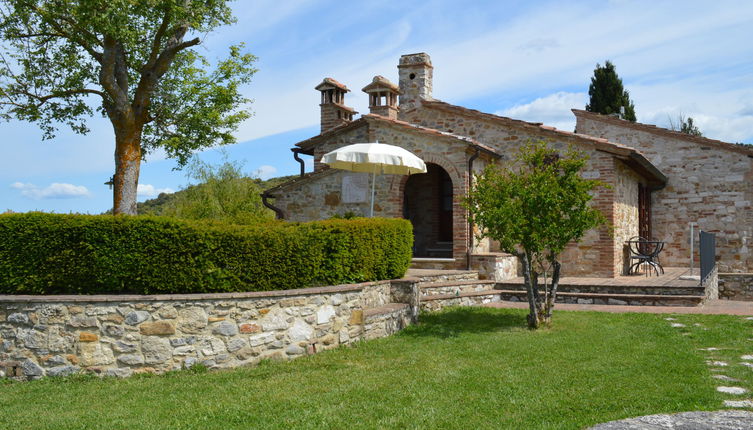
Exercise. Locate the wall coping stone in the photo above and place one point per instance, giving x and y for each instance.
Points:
(106, 298)
(386, 309)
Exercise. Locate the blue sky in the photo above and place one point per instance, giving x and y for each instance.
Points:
(530, 60)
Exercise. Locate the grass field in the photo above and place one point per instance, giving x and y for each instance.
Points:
(462, 368)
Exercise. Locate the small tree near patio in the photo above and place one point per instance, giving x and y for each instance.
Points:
(534, 208)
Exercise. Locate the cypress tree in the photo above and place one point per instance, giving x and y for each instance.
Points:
(607, 95)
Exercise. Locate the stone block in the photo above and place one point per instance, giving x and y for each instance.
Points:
(274, 321)
(249, 328)
(136, 317)
(294, 350)
(156, 350)
(120, 372)
(356, 317)
(236, 344)
(226, 328)
(18, 318)
(120, 346)
(261, 339)
(157, 328)
(184, 350)
(300, 331)
(131, 359)
(324, 314)
(192, 320)
(94, 354)
(168, 312)
(113, 318)
(87, 337)
(114, 330)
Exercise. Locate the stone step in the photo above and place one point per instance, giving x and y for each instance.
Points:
(425, 276)
(455, 287)
(433, 263)
(435, 297)
(469, 298)
(384, 310)
(611, 299)
(384, 320)
(655, 290)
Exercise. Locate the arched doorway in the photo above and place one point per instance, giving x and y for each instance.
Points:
(427, 204)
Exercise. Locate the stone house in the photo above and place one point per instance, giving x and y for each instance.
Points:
(659, 180)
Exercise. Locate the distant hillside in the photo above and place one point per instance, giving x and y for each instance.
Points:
(154, 206)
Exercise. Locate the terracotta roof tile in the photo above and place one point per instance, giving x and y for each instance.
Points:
(380, 82)
(331, 82)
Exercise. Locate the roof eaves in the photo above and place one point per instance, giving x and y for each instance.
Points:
(650, 128)
(308, 177)
(309, 143)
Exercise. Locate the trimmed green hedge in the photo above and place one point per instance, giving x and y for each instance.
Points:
(81, 254)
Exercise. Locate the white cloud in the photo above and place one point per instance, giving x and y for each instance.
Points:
(265, 172)
(148, 190)
(553, 110)
(53, 191)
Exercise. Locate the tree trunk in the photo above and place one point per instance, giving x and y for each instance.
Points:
(552, 296)
(533, 315)
(127, 167)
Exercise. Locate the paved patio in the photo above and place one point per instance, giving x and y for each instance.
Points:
(670, 278)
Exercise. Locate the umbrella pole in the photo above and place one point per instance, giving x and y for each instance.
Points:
(373, 182)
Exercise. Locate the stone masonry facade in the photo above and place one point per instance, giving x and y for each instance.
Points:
(687, 178)
(709, 183)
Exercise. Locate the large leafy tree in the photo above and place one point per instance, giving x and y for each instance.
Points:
(534, 207)
(607, 95)
(134, 62)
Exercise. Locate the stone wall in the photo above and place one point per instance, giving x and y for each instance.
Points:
(625, 214)
(495, 266)
(124, 335)
(736, 286)
(320, 194)
(709, 182)
(595, 255)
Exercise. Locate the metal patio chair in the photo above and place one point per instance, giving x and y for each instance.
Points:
(645, 253)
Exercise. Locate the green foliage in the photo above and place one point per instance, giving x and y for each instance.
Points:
(537, 205)
(685, 125)
(81, 254)
(688, 127)
(607, 95)
(534, 208)
(221, 193)
(164, 202)
(55, 53)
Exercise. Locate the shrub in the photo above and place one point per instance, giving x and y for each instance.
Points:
(82, 254)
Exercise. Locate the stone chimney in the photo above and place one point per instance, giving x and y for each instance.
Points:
(333, 109)
(382, 97)
(416, 74)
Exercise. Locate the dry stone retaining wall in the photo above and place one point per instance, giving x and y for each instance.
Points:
(736, 286)
(123, 335)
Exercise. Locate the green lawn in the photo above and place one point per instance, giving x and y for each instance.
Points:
(463, 368)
